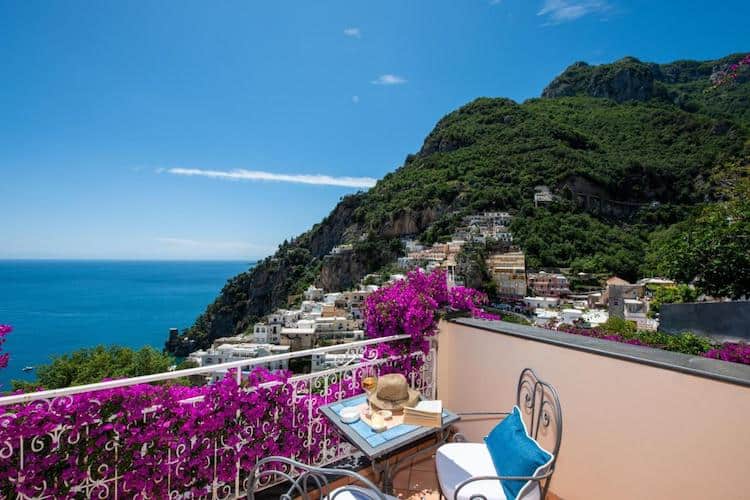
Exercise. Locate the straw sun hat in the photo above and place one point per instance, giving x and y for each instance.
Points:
(393, 393)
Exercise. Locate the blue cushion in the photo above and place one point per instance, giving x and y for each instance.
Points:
(514, 452)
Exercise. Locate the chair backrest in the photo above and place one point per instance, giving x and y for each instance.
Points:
(540, 408)
(301, 479)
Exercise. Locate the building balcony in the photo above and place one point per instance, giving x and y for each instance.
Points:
(638, 422)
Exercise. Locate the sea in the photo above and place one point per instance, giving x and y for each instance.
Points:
(59, 306)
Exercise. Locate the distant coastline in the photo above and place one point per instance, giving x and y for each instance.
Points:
(59, 305)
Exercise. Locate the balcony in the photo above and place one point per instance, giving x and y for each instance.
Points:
(638, 422)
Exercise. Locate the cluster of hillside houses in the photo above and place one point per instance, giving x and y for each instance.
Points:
(321, 319)
(326, 318)
(544, 295)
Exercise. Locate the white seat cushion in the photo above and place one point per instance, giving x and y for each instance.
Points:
(354, 493)
(457, 462)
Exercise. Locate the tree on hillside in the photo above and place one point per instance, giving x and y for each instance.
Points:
(711, 249)
(88, 366)
(671, 295)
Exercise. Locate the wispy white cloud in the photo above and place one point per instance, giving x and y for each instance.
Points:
(389, 79)
(202, 248)
(353, 32)
(258, 175)
(213, 245)
(562, 11)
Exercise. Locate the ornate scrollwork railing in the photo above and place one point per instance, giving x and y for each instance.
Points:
(83, 446)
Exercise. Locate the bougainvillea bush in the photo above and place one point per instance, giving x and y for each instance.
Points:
(4, 357)
(731, 351)
(156, 439)
(731, 73)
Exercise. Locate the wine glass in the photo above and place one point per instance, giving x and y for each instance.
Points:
(369, 384)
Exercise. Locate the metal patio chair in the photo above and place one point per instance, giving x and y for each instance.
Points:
(305, 479)
(466, 471)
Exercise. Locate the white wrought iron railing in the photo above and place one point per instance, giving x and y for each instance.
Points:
(81, 448)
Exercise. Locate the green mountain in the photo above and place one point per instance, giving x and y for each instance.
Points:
(627, 148)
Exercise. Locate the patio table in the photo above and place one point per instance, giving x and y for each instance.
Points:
(379, 447)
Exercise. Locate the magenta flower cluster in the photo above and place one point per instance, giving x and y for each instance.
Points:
(732, 72)
(731, 351)
(412, 306)
(160, 439)
(4, 357)
(155, 442)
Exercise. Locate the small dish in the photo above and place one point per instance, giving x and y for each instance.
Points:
(349, 415)
(386, 414)
(378, 428)
(378, 423)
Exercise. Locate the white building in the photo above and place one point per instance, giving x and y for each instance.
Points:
(340, 249)
(275, 318)
(352, 298)
(331, 298)
(236, 339)
(325, 361)
(226, 353)
(412, 245)
(534, 303)
(656, 281)
(307, 332)
(542, 194)
(311, 307)
(291, 317)
(636, 310)
(313, 293)
(267, 334)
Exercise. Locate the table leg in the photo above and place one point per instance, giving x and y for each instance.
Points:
(386, 472)
(385, 475)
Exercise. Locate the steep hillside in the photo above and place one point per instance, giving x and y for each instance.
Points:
(686, 84)
(645, 146)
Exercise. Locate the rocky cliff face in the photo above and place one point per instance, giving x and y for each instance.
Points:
(626, 80)
(410, 222)
(630, 79)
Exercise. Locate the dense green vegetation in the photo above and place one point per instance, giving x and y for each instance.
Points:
(712, 247)
(88, 366)
(647, 141)
(685, 84)
(686, 343)
(670, 295)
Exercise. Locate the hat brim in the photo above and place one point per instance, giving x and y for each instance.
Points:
(382, 404)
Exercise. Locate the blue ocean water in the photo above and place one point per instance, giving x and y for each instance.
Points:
(58, 306)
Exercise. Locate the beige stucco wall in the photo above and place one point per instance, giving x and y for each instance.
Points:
(631, 431)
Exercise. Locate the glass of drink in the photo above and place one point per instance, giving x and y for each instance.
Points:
(369, 384)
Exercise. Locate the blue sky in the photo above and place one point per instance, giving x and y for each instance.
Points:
(214, 130)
